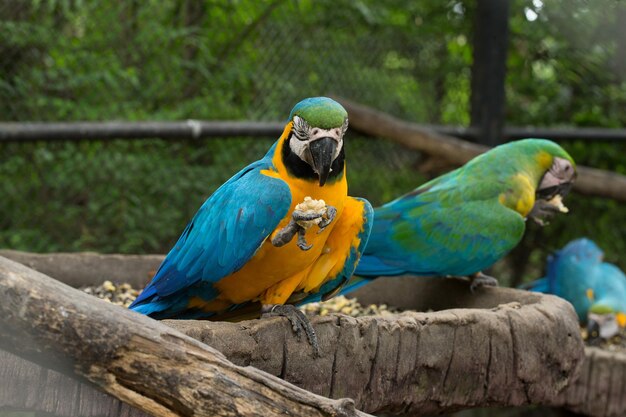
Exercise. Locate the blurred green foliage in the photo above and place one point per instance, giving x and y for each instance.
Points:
(67, 60)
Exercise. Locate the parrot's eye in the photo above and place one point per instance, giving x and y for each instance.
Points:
(301, 128)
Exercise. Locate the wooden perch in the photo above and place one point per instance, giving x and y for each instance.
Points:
(136, 359)
(509, 348)
(591, 181)
(600, 390)
(82, 269)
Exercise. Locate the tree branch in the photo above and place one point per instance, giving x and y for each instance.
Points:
(136, 359)
(591, 181)
(509, 348)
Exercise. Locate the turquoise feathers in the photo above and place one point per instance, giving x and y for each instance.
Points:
(464, 221)
(578, 274)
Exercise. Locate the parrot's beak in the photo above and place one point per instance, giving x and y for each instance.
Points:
(558, 180)
(546, 192)
(323, 154)
(603, 326)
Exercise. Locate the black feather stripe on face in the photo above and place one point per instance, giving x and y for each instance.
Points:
(300, 169)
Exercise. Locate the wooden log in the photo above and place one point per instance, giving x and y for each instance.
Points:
(600, 390)
(24, 385)
(82, 269)
(409, 355)
(28, 386)
(510, 348)
(415, 363)
(136, 359)
(591, 181)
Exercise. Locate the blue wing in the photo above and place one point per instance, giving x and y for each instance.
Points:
(335, 285)
(441, 232)
(538, 285)
(224, 234)
(547, 284)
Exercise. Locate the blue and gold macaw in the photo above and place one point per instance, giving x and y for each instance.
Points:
(595, 288)
(265, 240)
(464, 221)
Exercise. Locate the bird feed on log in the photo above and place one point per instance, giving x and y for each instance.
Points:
(123, 294)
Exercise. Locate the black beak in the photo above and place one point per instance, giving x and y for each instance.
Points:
(593, 329)
(323, 154)
(562, 189)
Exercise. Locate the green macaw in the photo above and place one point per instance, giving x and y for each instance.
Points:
(464, 221)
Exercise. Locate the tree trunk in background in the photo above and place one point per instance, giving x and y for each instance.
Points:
(489, 52)
(591, 181)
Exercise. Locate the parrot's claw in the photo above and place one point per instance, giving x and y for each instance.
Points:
(300, 216)
(299, 322)
(302, 241)
(328, 218)
(479, 279)
(541, 211)
(286, 234)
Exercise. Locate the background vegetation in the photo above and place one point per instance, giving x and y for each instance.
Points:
(69, 60)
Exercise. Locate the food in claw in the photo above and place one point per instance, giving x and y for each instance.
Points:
(310, 206)
(557, 201)
(243, 254)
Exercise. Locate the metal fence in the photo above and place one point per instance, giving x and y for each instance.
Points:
(214, 60)
(251, 60)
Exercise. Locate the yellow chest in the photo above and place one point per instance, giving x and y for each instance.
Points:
(521, 197)
(271, 264)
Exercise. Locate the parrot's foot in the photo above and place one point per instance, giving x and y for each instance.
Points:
(302, 241)
(328, 218)
(300, 216)
(543, 210)
(286, 234)
(299, 322)
(479, 279)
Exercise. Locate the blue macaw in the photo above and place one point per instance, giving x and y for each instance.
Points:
(238, 256)
(578, 274)
(464, 221)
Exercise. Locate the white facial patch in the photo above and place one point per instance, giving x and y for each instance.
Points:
(305, 135)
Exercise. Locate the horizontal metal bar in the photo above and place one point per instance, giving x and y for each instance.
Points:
(197, 129)
(189, 129)
(566, 133)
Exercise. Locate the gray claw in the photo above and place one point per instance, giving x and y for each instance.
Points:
(302, 241)
(299, 322)
(481, 280)
(301, 216)
(541, 211)
(286, 234)
(331, 213)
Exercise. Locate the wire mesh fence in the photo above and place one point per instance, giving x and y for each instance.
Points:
(178, 59)
(99, 60)
(74, 60)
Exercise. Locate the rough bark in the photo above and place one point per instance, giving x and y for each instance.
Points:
(503, 348)
(509, 348)
(136, 359)
(83, 269)
(591, 181)
(600, 390)
(25, 385)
